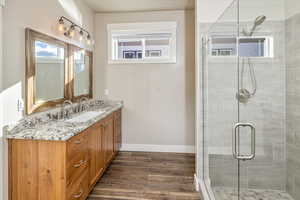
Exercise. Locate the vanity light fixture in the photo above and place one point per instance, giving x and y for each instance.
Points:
(73, 30)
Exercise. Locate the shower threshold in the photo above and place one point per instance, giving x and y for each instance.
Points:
(226, 193)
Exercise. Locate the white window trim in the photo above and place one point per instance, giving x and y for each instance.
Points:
(136, 28)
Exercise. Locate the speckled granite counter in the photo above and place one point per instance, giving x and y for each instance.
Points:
(58, 130)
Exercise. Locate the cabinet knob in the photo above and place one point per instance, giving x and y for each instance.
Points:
(77, 142)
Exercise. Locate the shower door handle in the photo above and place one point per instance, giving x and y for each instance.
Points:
(235, 148)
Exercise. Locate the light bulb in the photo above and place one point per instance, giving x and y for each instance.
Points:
(88, 41)
(80, 35)
(61, 25)
(72, 31)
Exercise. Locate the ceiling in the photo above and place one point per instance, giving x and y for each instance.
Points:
(139, 5)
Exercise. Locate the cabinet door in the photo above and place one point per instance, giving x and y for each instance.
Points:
(117, 131)
(105, 143)
(95, 150)
(110, 132)
(100, 156)
(93, 137)
(108, 139)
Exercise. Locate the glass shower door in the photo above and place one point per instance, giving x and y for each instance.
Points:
(244, 103)
(262, 84)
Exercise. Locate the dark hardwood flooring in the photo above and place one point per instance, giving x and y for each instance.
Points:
(148, 176)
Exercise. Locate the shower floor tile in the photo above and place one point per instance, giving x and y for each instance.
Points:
(223, 193)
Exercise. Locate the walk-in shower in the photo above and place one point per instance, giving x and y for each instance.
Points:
(250, 102)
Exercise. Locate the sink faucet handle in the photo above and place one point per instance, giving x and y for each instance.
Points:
(81, 105)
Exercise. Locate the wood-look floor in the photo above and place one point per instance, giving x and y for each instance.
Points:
(148, 176)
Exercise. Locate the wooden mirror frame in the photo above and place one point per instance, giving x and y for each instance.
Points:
(30, 72)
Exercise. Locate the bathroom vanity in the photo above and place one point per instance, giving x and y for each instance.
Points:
(63, 159)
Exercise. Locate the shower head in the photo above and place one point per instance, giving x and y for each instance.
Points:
(259, 20)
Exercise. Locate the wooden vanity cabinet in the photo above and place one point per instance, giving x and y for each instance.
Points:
(61, 170)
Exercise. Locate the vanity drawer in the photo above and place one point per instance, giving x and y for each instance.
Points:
(76, 144)
(77, 165)
(79, 189)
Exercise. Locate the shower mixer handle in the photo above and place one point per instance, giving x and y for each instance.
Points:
(236, 138)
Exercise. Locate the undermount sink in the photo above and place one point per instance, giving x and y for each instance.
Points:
(85, 117)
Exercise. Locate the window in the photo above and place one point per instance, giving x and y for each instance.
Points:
(142, 42)
(222, 46)
(248, 46)
(256, 47)
(51, 77)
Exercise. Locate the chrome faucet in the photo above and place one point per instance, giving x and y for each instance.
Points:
(65, 113)
(81, 105)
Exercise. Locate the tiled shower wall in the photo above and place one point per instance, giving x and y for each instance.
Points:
(293, 105)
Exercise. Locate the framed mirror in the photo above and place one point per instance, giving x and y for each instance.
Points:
(55, 71)
(82, 72)
(46, 69)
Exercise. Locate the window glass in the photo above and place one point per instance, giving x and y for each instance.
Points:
(130, 49)
(158, 45)
(50, 73)
(221, 46)
(248, 46)
(252, 47)
(142, 42)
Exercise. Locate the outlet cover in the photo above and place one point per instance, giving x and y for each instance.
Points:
(106, 92)
(20, 105)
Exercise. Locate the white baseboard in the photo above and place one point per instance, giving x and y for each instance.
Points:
(158, 148)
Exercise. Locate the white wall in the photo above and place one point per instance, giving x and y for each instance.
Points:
(1, 115)
(41, 15)
(158, 98)
(292, 7)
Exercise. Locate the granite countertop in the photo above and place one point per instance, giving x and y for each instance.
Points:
(59, 130)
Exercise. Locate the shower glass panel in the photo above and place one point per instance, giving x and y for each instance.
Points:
(220, 83)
